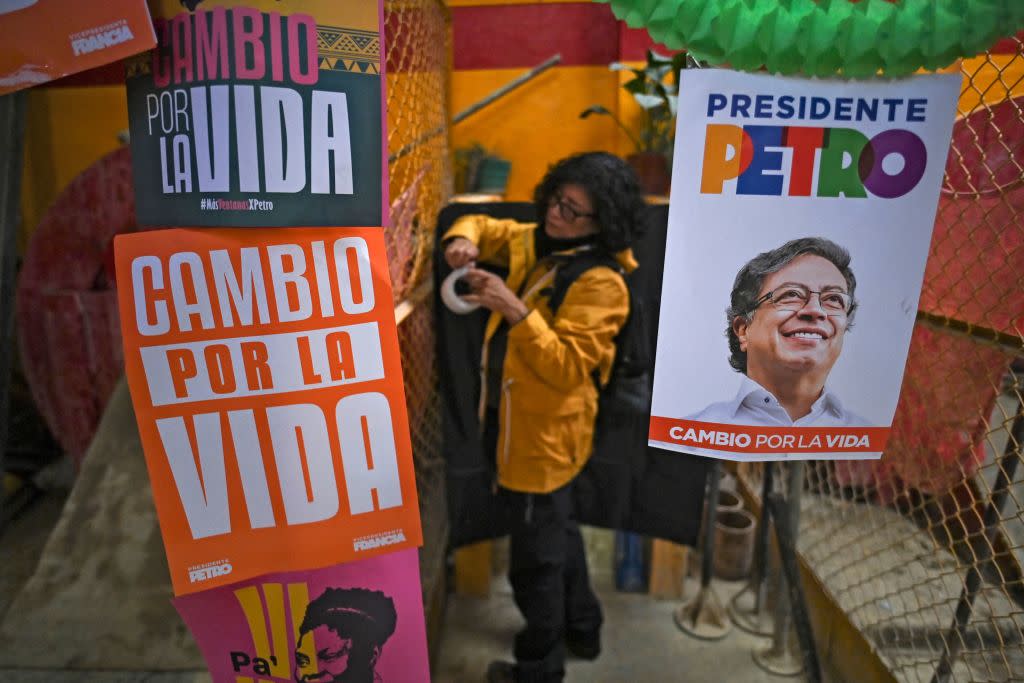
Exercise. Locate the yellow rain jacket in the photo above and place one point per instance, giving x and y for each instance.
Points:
(549, 402)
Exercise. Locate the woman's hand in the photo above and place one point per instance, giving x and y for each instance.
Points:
(459, 252)
(491, 292)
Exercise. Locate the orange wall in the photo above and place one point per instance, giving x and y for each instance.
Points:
(538, 123)
(991, 80)
(66, 130)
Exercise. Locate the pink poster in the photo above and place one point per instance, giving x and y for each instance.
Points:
(360, 621)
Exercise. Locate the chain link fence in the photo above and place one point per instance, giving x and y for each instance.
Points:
(417, 46)
(923, 549)
(417, 42)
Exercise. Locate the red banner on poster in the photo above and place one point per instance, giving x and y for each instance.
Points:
(755, 441)
(265, 373)
(47, 39)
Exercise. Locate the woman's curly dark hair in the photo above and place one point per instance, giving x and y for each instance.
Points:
(614, 191)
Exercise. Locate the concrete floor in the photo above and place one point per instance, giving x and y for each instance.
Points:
(641, 642)
(22, 542)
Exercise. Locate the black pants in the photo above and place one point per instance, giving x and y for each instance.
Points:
(548, 572)
(550, 581)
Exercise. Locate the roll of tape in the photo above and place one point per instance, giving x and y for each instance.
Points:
(454, 302)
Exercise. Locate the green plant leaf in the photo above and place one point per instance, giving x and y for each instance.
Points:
(653, 87)
(594, 109)
(636, 86)
(656, 73)
(619, 66)
(598, 109)
(649, 101)
(656, 58)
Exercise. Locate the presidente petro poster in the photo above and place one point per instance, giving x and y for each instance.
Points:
(259, 113)
(799, 227)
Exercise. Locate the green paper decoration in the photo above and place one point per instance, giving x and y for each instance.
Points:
(826, 37)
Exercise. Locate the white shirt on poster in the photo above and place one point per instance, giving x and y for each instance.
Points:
(755, 406)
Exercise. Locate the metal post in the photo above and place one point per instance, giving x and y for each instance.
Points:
(786, 532)
(761, 547)
(780, 658)
(787, 550)
(704, 616)
(972, 586)
(12, 137)
(753, 618)
(710, 507)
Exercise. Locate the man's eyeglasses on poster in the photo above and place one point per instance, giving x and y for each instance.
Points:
(794, 296)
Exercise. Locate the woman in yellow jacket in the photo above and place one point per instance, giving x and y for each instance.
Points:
(539, 388)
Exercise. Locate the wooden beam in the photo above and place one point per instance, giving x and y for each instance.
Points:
(12, 146)
(668, 570)
(473, 569)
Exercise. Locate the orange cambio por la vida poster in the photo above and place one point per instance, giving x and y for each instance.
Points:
(41, 40)
(265, 373)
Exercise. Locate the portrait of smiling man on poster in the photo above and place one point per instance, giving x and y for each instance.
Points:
(789, 312)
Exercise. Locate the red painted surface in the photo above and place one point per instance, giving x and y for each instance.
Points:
(975, 273)
(634, 43)
(400, 39)
(66, 306)
(1009, 46)
(522, 35)
(109, 74)
(515, 36)
(949, 386)
(975, 269)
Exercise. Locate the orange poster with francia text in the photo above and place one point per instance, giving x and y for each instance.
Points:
(265, 373)
(41, 40)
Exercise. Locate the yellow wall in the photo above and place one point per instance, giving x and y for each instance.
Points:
(67, 129)
(991, 80)
(538, 123)
(477, 3)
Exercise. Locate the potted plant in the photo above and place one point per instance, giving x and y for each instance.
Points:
(477, 170)
(656, 94)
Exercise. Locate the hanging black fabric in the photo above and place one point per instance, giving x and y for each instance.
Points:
(626, 484)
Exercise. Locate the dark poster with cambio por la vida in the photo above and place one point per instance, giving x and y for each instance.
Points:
(259, 113)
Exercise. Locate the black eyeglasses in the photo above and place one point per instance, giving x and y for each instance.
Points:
(792, 297)
(567, 211)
